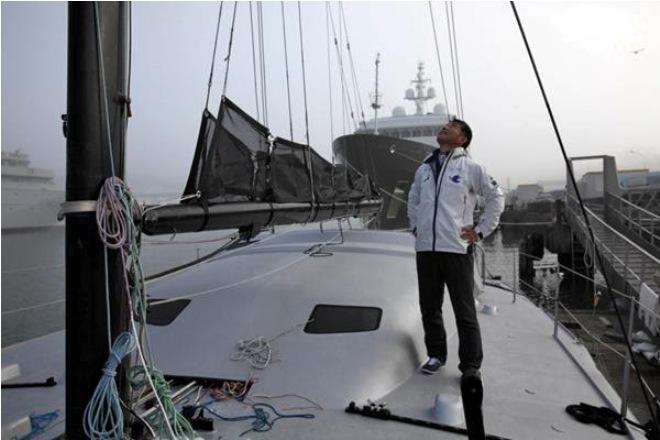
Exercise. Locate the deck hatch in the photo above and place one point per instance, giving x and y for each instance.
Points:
(164, 314)
(328, 318)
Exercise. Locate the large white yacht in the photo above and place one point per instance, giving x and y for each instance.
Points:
(390, 149)
(420, 126)
(30, 197)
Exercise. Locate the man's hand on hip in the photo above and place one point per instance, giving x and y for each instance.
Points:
(469, 234)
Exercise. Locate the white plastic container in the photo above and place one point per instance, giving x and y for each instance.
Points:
(448, 409)
(489, 309)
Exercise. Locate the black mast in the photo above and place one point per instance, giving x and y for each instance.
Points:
(88, 165)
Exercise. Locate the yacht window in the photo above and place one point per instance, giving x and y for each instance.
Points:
(416, 133)
(405, 133)
(328, 318)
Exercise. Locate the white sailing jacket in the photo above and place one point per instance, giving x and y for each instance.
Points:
(438, 210)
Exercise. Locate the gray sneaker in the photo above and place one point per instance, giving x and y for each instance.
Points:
(432, 365)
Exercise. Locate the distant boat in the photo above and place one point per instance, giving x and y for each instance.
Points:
(30, 197)
(391, 149)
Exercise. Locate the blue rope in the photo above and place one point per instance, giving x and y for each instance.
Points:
(103, 418)
(261, 419)
(40, 423)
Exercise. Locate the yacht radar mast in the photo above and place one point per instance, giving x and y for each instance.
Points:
(422, 94)
(376, 97)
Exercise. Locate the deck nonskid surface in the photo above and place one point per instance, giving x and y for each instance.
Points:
(528, 382)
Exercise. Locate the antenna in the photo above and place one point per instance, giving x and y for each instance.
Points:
(420, 87)
(375, 97)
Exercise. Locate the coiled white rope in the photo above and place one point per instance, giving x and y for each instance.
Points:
(258, 352)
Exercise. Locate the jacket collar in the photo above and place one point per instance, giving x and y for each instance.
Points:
(455, 153)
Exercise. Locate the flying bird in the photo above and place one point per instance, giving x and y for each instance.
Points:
(636, 51)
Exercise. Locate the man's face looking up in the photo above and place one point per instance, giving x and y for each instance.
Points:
(451, 135)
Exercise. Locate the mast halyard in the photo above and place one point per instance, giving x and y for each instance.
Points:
(421, 94)
(376, 96)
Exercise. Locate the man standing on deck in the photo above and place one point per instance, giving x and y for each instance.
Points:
(440, 205)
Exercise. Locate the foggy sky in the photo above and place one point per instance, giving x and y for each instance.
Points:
(606, 98)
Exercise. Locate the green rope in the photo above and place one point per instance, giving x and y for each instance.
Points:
(180, 425)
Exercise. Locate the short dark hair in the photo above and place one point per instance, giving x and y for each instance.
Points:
(465, 129)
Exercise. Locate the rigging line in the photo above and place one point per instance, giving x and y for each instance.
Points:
(260, 61)
(247, 280)
(327, 31)
(308, 149)
(437, 53)
(215, 47)
(130, 46)
(262, 57)
(343, 98)
(453, 64)
(105, 114)
(232, 242)
(346, 98)
(350, 113)
(286, 67)
(167, 242)
(353, 71)
(380, 188)
(224, 254)
(584, 213)
(126, 100)
(458, 72)
(302, 61)
(584, 328)
(228, 58)
(254, 67)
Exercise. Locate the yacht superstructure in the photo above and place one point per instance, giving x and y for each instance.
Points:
(390, 149)
(420, 126)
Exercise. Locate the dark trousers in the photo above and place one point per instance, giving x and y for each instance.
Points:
(434, 270)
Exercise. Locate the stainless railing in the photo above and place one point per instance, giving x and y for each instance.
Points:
(555, 303)
(639, 221)
(619, 250)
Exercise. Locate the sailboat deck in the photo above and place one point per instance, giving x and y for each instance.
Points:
(271, 287)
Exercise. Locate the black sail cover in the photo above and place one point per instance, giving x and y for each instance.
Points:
(289, 170)
(230, 158)
(322, 177)
(233, 162)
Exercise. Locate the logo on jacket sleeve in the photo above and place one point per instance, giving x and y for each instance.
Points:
(456, 178)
